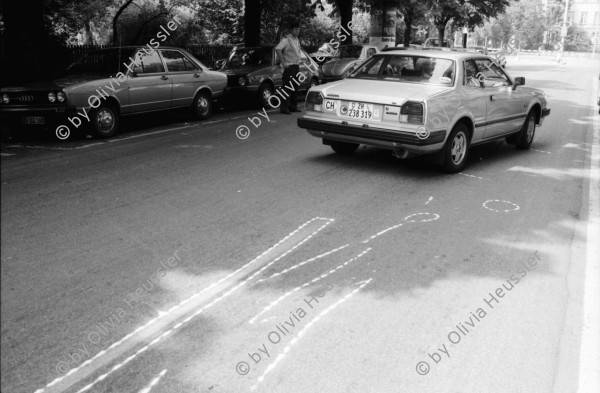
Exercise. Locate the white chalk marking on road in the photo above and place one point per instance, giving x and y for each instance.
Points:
(589, 356)
(154, 382)
(154, 320)
(429, 200)
(541, 151)
(407, 219)
(433, 218)
(302, 332)
(6, 154)
(474, 177)
(302, 263)
(278, 300)
(514, 205)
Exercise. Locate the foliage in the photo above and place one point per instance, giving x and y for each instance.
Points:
(577, 40)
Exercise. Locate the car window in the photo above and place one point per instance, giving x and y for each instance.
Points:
(470, 74)
(150, 63)
(177, 62)
(352, 51)
(408, 68)
(250, 57)
(490, 74)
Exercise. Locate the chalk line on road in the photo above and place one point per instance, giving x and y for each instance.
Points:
(302, 332)
(172, 309)
(407, 219)
(153, 382)
(322, 276)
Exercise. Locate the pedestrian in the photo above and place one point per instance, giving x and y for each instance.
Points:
(289, 53)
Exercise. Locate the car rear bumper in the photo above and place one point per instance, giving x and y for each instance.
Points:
(379, 137)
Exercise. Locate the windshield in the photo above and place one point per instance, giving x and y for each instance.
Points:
(249, 57)
(103, 62)
(352, 51)
(403, 68)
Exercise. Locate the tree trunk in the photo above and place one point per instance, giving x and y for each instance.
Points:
(345, 34)
(115, 39)
(252, 15)
(89, 37)
(407, 31)
(441, 30)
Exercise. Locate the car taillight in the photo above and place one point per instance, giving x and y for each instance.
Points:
(412, 112)
(314, 101)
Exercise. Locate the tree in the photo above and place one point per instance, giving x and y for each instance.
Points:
(343, 8)
(252, 16)
(413, 12)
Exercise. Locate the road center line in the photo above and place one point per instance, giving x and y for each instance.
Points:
(153, 382)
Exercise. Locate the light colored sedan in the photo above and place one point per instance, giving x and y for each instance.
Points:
(432, 102)
(106, 84)
(345, 60)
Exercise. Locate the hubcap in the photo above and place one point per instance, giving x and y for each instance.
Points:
(105, 120)
(459, 148)
(266, 94)
(530, 129)
(202, 104)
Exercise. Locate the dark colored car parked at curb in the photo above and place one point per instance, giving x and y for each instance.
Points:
(106, 84)
(255, 72)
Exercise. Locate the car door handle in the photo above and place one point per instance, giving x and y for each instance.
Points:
(196, 76)
(164, 77)
(491, 98)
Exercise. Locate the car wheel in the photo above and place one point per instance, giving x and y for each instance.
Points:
(344, 148)
(202, 106)
(525, 136)
(104, 121)
(456, 149)
(264, 93)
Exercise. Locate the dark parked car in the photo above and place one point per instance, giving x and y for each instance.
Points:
(255, 72)
(106, 84)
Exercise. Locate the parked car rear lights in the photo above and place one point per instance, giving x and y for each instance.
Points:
(314, 101)
(412, 112)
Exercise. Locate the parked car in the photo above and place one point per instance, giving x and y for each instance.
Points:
(345, 60)
(416, 103)
(323, 54)
(104, 85)
(255, 72)
(434, 43)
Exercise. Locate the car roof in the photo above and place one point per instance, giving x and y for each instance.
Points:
(453, 55)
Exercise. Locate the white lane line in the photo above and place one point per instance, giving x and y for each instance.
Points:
(429, 200)
(381, 233)
(302, 263)
(188, 319)
(165, 314)
(472, 176)
(154, 382)
(322, 276)
(589, 356)
(302, 332)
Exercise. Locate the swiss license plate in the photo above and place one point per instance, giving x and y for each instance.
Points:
(34, 120)
(359, 110)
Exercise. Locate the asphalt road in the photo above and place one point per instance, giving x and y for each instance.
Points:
(178, 257)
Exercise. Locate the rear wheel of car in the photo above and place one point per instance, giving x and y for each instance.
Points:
(524, 138)
(344, 148)
(264, 93)
(202, 106)
(104, 121)
(456, 149)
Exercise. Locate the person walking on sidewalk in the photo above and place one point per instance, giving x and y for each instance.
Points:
(289, 53)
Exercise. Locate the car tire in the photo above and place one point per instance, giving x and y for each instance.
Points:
(104, 121)
(202, 105)
(265, 91)
(525, 137)
(456, 149)
(344, 148)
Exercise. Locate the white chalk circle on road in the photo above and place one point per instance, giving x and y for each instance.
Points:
(499, 206)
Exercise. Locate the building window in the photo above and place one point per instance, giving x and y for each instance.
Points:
(582, 19)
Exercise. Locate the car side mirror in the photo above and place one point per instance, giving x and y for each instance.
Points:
(519, 81)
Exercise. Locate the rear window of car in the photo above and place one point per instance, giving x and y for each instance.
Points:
(177, 62)
(407, 68)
